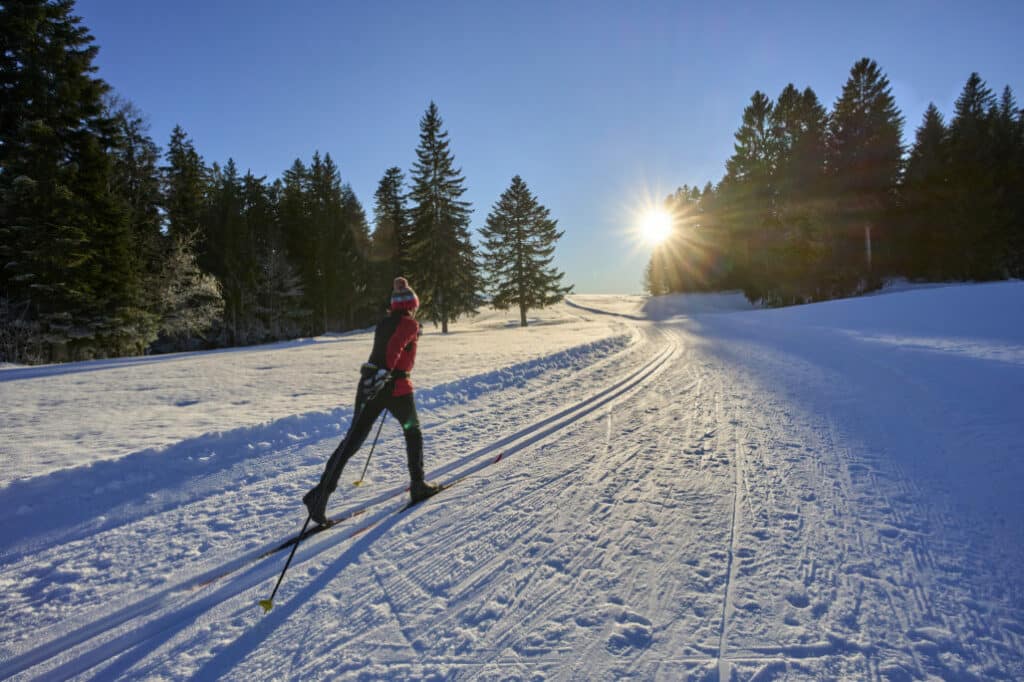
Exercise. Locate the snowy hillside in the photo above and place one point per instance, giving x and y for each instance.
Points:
(680, 488)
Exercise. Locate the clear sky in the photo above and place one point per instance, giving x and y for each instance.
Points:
(599, 106)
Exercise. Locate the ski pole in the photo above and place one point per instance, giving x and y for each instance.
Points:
(268, 604)
(367, 465)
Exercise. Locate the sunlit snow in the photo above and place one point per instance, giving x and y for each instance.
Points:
(672, 488)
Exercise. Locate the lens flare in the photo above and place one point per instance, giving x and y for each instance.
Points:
(655, 226)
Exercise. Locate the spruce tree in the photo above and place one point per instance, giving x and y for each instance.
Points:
(678, 263)
(391, 231)
(929, 250)
(254, 241)
(66, 262)
(793, 249)
(294, 214)
(324, 204)
(1010, 140)
(353, 263)
(800, 124)
(444, 268)
(973, 187)
(222, 245)
(136, 180)
(755, 150)
(864, 161)
(519, 243)
(281, 294)
(749, 193)
(185, 186)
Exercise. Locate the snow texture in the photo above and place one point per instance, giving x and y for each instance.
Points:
(676, 488)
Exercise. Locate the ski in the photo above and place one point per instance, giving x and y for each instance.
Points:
(281, 547)
(319, 528)
(315, 530)
(441, 488)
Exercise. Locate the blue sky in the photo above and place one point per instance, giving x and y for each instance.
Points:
(599, 106)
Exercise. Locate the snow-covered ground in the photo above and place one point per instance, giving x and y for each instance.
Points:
(680, 488)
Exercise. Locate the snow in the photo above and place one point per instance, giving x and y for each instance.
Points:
(675, 488)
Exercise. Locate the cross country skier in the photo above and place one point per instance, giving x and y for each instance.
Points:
(384, 385)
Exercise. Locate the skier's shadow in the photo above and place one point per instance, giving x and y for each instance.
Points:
(226, 660)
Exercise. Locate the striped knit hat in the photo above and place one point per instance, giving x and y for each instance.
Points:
(403, 298)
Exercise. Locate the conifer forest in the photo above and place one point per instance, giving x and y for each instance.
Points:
(111, 245)
(819, 204)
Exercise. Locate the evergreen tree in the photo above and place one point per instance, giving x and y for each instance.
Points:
(704, 242)
(1008, 204)
(755, 150)
(1010, 137)
(185, 186)
(222, 248)
(279, 287)
(519, 243)
(655, 277)
(192, 298)
(682, 262)
(136, 180)
(253, 244)
(444, 267)
(799, 124)
(929, 250)
(391, 233)
(748, 193)
(793, 248)
(67, 269)
(324, 242)
(281, 294)
(294, 214)
(189, 300)
(973, 181)
(864, 162)
(353, 264)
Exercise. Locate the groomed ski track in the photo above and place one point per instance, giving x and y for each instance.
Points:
(355, 521)
(706, 503)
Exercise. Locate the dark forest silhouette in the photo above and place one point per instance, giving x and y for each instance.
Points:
(817, 205)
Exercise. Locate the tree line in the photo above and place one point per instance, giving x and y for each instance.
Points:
(818, 204)
(111, 246)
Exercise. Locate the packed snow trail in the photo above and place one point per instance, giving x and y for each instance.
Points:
(784, 497)
(623, 370)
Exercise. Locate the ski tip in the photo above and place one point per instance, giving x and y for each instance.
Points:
(267, 605)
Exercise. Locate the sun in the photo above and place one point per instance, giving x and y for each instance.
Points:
(655, 226)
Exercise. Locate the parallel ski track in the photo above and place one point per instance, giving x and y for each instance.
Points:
(724, 666)
(459, 469)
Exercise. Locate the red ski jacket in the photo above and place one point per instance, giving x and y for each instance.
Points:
(394, 348)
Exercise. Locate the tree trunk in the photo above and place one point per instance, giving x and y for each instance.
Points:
(522, 315)
(867, 245)
(444, 312)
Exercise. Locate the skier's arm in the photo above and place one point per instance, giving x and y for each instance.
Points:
(405, 333)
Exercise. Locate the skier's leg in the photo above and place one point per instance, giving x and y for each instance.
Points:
(316, 499)
(404, 409)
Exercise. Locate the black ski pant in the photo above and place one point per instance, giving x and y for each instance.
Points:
(366, 413)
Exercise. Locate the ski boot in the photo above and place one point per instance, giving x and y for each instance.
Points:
(420, 490)
(317, 505)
